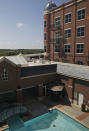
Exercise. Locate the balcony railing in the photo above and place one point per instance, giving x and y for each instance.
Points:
(55, 27)
(56, 41)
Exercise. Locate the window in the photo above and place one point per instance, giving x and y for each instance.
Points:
(57, 48)
(57, 21)
(68, 18)
(4, 75)
(57, 37)
(67, 48)
(80, 48)
(80, 31)
(81, 14)
(68, 33)
(44, 36)
(44, 48)
(44, 23)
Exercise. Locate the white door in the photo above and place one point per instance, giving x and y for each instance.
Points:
(80, 99)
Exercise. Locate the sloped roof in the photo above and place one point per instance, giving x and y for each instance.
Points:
(17, 60)
(72, 70)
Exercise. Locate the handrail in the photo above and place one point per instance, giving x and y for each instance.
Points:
(55, 27)
(11, 112)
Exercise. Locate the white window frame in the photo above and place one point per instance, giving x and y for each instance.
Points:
(65, 19)
(70, 48)
(84, 31)
(80, 10)
(76, 47)
(4, 75)
(59, 20)
(67, 35)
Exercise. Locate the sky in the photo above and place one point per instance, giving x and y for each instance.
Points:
(21, 23)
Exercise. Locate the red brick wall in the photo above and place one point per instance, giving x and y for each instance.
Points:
(83, 87)
(72, 57)
(77, 86)
(13, 76)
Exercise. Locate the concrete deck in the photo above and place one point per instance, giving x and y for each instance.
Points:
(37, 108)
(75, 113)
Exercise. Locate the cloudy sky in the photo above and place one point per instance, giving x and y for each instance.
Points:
(21, 23)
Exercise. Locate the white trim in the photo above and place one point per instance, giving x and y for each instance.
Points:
(57, 17)
(77, 14)
(81, 9)
(65, 16)
(79, 1)
(67, 29)
(68, 44)
(76, 48)
(79, 43)
(68, 13)
(68, 23)
(68, 5)
(80, 19)
(64, 33)
(80, 53)
(76, 32)
(80, 36)
(57, 9)
(80, 26)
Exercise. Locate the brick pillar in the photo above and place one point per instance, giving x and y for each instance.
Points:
(40, 92)
(19, 96)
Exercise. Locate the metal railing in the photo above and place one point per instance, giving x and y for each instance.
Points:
(11, 112)
(55, 27)
(55, 40)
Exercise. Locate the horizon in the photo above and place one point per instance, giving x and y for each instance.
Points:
(21, 25)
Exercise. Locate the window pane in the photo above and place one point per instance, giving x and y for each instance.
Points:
(81, 14)
(81, 31)
(80, 48)
(68, 18)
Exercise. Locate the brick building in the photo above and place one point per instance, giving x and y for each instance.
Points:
(66, 32)
(21, 80)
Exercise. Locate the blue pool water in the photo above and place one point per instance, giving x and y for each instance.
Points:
(52, 121)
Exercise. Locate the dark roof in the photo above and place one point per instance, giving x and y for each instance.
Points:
(38, 70)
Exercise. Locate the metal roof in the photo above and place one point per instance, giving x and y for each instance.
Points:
(17, 60)
(72, 70)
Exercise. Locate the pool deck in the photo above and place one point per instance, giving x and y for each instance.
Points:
(37, 108)
(75, 113)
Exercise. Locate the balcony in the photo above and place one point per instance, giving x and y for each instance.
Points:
(56, 41)
(54, 27)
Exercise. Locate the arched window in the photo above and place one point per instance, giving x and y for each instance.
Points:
(4, 75)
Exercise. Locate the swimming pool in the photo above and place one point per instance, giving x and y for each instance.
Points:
(52, 121)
